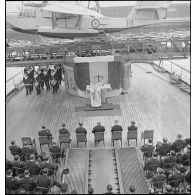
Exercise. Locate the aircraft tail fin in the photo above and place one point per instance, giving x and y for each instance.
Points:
(149, 10)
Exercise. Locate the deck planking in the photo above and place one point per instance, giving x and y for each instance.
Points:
(152, 102)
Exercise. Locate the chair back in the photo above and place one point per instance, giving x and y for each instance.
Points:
(42, 189)
(148, 134)
(28, 187)
(158, 184)
(117, 135)
(65, 138)
(132, 134)
(81, 137)
(26, 139)
(99, 136)
(44, 140)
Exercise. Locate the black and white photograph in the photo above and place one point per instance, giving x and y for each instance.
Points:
(97, 97)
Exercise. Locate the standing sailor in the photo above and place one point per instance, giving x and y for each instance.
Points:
(31, 77)
(37, 83)
(56, 75)
(54, 81)
(60, 70)
(27, 83)
(41, 76)
(46, 78)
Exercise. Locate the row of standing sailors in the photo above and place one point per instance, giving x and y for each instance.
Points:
(50, 78)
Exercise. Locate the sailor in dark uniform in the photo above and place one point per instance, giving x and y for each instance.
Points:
(30, 72)
(14, 149)
(60, 69)
(45, 132)
(98, 128)
(81, 129)
(27, 182)
(37, 83)
(63, 130)
(27, 83)
(132, 127)
(116, 127)
(41, 76)
(47, 76)
(12, 184)
(56, 74)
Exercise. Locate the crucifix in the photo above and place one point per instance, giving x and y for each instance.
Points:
(99, 76)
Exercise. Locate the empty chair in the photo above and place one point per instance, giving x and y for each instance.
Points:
(81, 137)
(28, 140)
(116, 135)
(64, 138)
(132, 135)
(99, 136)
(148, 134)
(44, 140)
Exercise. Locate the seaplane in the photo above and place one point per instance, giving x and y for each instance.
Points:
(70, 20)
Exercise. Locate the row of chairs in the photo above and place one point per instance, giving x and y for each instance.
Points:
(98, 136)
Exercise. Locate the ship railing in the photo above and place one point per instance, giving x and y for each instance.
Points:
(176, 71)
(14, 83)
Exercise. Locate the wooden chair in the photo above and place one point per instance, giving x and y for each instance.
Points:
(116, 135)
(81, 137)
(158, 186)
(132, 135)
(65, 138)
(29, 189)
(147, 134)
(42, 190)
(44, 140)
(99, 136)
(28, 140)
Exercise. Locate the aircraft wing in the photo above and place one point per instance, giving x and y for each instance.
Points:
(71, 9)
(152, 4)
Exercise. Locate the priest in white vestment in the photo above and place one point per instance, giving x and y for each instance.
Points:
(95, 90)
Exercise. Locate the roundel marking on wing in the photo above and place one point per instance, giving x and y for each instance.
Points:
(95, 23)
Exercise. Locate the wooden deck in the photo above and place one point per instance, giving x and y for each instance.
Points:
(152, 102)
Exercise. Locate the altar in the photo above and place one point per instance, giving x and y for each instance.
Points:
(97, 93)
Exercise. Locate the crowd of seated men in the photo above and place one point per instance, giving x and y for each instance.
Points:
(30, 172)
(167, 166)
